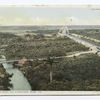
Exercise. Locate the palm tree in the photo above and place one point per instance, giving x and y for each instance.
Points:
(50, 61)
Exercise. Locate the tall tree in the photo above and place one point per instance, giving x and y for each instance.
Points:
(50, 61)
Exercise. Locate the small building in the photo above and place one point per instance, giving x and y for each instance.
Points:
(22, 61)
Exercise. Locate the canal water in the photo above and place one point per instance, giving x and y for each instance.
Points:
(18, 80)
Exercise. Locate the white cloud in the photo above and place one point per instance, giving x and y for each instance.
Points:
(71, 20)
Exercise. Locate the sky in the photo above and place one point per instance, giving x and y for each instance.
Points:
(49, 15)
(7, 2)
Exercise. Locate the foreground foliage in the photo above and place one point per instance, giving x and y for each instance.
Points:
(80, 73)
(4, 79)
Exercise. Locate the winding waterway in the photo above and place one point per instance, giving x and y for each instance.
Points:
(18, 80)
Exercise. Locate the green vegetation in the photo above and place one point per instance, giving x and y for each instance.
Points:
(5, 38)
(4, 79)
(42, 48)
(93, 33)
(75, 73)
(80, 73)
(43, 31)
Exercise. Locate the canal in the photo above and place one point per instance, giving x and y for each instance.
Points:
(18, 80)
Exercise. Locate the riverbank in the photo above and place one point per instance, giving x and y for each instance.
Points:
(5, 79)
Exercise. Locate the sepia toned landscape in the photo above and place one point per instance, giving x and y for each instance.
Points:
(49, 57)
